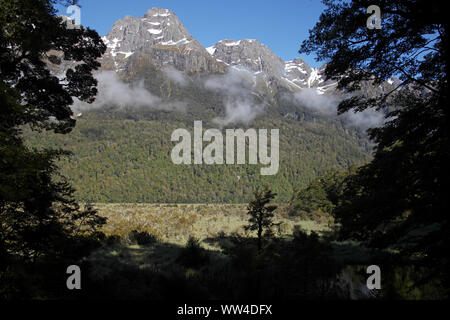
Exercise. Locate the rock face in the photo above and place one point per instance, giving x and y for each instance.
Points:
(255, 56)
(158, 40)
(249, 53)
(298, 71)
(161, 37)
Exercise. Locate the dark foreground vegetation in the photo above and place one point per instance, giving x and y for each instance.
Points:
(300, 266)
(391, 212)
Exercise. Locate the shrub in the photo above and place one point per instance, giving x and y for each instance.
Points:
(193, 255)
(142, 237)
(317, 216)
(112, 240)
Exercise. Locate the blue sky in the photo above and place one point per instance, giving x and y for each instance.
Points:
(281, 24)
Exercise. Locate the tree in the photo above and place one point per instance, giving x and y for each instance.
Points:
(399, 199)
(261, 214)
(320, 196)
(38, 214)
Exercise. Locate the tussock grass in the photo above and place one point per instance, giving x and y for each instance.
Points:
(175, 223)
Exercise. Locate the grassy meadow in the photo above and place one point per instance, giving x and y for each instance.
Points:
(166, 261)
(175, 223)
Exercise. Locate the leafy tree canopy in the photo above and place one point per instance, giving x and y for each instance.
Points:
(399, 199)
(320, 196)
(38, 215)
(32, 36)
(261, 214)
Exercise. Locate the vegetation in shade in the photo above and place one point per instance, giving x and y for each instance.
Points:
(40, 221)
(398, 201)
(175, 223)
(261, 215)
(319, 199)
(218, 262)
(193, 256)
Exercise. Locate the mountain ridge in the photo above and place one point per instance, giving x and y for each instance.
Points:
(161, 30)
(159, 38)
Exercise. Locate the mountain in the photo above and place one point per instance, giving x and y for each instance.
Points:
(161, 39)
(155, 77)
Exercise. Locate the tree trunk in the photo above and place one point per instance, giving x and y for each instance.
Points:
(259, 238)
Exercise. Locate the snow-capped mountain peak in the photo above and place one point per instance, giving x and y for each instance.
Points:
(160, 39)
(158, 33)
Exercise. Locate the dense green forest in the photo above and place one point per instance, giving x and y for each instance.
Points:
(120, 160)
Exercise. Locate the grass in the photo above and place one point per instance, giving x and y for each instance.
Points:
(175, 266)
(175, 223)
(172, 225)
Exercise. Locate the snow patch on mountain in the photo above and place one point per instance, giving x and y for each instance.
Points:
(211, 50)
(154, 31)
(314, 75)
(174, 43)
(290, 65)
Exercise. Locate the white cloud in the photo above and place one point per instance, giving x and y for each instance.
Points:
(175, 75)
(326, 104)
(237, 86)
(114, 92)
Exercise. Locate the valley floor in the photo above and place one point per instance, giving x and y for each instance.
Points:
(175, 223)
(201, 251)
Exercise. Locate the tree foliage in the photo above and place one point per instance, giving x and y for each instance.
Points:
(129, 161)
(400, 198)
(38, 214)
(261, 214)
(320, 197)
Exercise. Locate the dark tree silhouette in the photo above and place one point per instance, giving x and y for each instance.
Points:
(399, 199)
(38, 215)
(261, 214)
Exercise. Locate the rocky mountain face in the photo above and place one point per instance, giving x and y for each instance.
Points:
(157, 50)
(255, 56)
(249, 53)
(160, 39)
